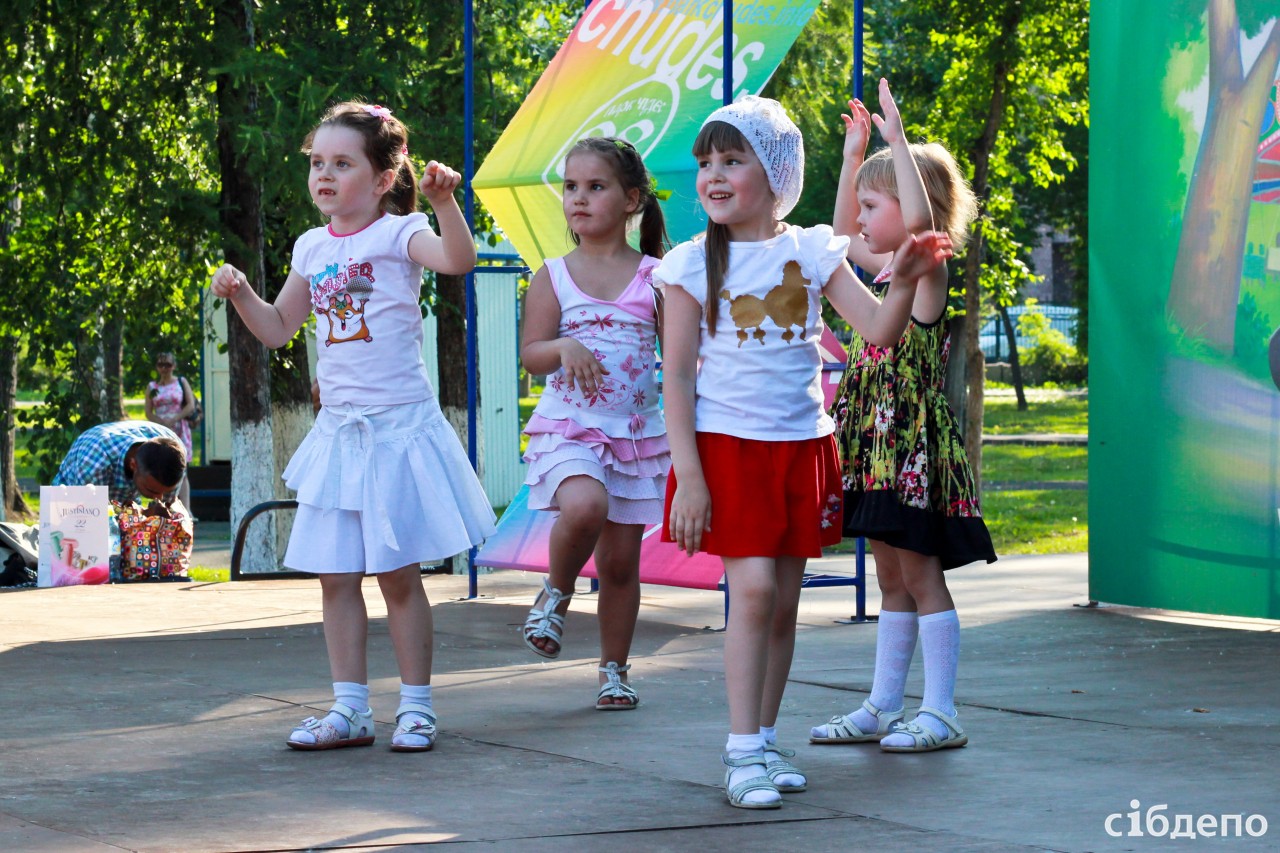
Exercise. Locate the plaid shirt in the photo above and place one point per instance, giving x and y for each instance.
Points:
(97, 457)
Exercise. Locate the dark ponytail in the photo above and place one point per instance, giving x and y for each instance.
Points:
(632, 175)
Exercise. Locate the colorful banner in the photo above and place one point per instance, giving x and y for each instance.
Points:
(523, 538)
(648, 71)
(1184, 280)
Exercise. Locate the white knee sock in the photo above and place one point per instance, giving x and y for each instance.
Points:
(940, 642)
(895, 645)
(744, 746)
(940, 645)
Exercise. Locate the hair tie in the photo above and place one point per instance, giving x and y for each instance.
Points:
(404, 150)
(661, 195)
(623, 145)
(378, 110)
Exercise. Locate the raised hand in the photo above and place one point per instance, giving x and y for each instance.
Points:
(919, 254)
(857, 130)
(438, 182)
(227, 282)
(890, 124)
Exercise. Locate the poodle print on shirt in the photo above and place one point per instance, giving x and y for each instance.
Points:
(786, 305)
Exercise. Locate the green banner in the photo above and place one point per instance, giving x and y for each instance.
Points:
(1184, 230)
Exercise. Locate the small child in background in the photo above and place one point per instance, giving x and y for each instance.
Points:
(383, 483)
(907, 484)
(597, 451)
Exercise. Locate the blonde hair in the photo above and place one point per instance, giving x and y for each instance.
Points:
(952, 204)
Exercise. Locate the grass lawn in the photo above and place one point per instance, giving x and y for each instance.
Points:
(1021, 521)
(1048, 411)
(1037, 521)
(1008, 463)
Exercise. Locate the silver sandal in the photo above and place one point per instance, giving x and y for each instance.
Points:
(615, 688)
(545, 623)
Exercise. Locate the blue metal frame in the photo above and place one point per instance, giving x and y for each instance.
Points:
(859, 580)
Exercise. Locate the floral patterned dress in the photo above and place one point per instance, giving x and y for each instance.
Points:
(168, 401)
(906, 476)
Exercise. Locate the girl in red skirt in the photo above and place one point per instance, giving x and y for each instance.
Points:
(754, 471)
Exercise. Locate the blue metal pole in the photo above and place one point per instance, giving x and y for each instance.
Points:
(857, 49)
(860, 563)
(468, 168)
(727, 92)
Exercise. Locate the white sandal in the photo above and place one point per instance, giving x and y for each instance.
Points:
(615, 688)
(418, 734)
(737, 792)
(781, 767)
(842, 729)
(924, 739)
(545, 623)
(313, 733)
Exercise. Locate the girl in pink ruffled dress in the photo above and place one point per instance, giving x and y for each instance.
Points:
(597, 449)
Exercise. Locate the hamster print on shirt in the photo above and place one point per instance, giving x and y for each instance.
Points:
(339, 296)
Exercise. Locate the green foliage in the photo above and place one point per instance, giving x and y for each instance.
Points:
(943, 56)
(1252, 338)
(1051, 357)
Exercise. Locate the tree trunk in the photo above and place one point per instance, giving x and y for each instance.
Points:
(1205, 288)
(292, 417)
(113, 363)
(980, 155)
(15, 504)
(1015, 361)
(240, 215)
(954, 384)
(451, 357)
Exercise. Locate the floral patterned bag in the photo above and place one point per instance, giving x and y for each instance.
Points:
(155, 547)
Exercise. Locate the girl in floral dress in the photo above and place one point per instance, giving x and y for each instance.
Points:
(597, 441)
(908, 486)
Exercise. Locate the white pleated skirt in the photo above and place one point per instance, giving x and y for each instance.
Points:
(381, 487)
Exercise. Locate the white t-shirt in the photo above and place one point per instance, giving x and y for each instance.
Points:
(761, 373)
(364, 292)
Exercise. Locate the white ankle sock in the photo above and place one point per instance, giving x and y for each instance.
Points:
(418, 694)
(744, 746)
(354, 696)
(940, 645)
(895, 645)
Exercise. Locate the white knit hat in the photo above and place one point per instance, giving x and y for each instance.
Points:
(775, 139)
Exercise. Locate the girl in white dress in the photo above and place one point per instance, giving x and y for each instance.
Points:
(383, 483)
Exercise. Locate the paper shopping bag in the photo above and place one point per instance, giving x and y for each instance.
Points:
(75, 544)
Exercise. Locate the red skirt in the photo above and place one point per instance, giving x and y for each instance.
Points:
(768, 498)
